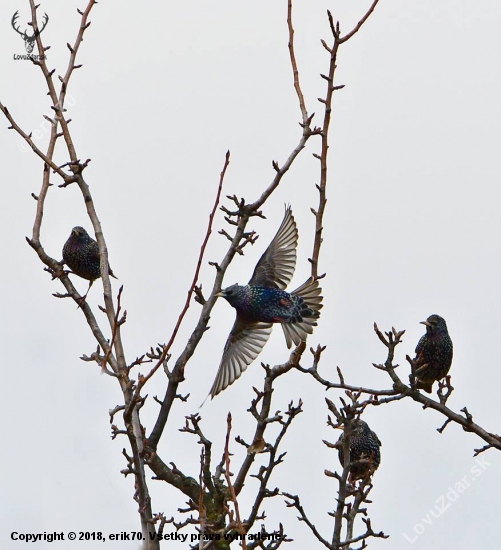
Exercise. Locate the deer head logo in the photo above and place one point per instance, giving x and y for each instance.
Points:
(29, 41)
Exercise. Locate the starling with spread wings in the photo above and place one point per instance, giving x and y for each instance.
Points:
(264, 301)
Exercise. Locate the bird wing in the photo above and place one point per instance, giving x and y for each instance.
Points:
(276, 266)
(95, 255)
(93, 251)
(421, 344)
(244, 344)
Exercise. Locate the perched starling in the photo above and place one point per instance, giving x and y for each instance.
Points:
(263, 302)
(433, 353)
(81, 255)
(365, 455)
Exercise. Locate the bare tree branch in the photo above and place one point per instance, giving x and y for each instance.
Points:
(295, 71)
(359, 24)
(227, 474)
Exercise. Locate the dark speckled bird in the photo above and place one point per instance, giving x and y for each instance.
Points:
(81, 255)
(433, 353)
(263, 302)
(364, 447)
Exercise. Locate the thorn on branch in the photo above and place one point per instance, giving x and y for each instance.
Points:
(324, 44)
(469, 417)
(447, 386)
(199, 297)
(340, 374)
(316, 355)
(378, 366)
(229, 213)
(226, 234)
(445, 424)
(414, 366)
(230, 221)
(60, 295)
(114, 411)
(482, 449)
(307, 122)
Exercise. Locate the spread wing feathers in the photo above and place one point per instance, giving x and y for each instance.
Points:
(297, 332)
(277, 264)
(244, 344)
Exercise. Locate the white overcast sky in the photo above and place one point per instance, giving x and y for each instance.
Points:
(412, 228)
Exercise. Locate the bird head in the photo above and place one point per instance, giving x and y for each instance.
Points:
(232, 294)
(435, 324)
(359, 427)
(79, 233)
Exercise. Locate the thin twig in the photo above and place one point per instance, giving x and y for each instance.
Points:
(194, 282)
(228, 481)
(295, 72)
(115, 328)
(359, 24)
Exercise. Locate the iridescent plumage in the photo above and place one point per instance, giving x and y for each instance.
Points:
(263, 302)
(433, 353)
(81, 255)
(365, 455)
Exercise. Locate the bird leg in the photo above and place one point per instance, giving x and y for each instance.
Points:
(82, 300)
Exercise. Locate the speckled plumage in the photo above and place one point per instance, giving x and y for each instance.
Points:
(433, 353)
(364, 447)
(263, 302)
(81, 255)
(270, 305)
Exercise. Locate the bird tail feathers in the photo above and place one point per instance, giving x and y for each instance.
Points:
(297, 332)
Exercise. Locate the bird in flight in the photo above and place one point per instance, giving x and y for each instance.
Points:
(264, 301)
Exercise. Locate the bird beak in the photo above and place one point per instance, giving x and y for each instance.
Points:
(219, 294)
(425, 323)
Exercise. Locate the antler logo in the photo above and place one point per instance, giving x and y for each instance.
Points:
(29, 41)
